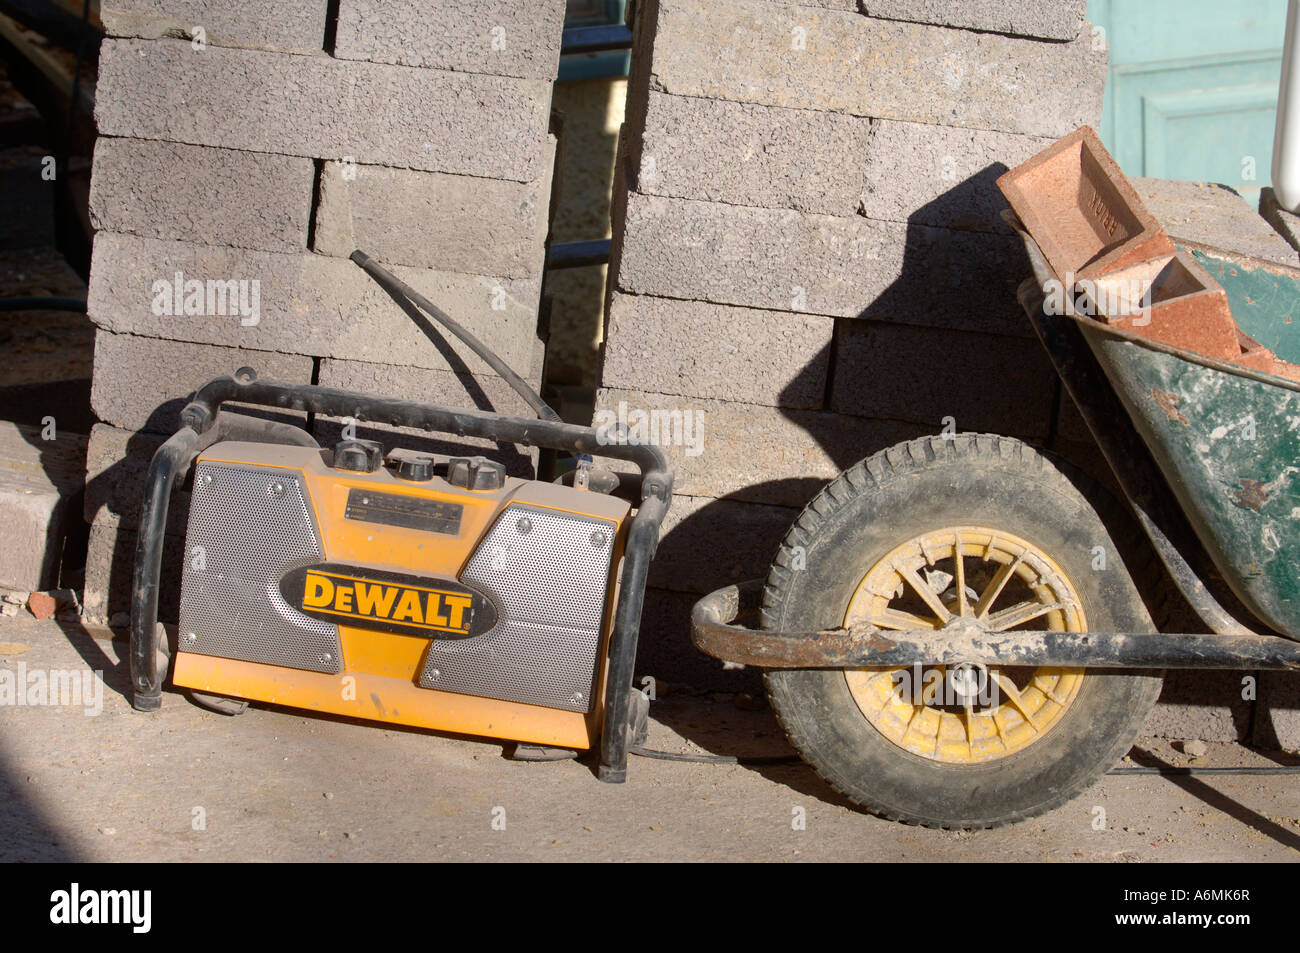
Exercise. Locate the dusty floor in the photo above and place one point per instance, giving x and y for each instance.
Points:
(183, 784)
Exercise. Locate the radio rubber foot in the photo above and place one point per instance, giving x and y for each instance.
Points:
(142, 702)
(526, 752)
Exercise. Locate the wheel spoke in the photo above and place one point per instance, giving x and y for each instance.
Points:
(901, 620)
(1020, 614)
(959, 575)
(1008, 688)
(969, 706)
(996, 585)
(999, 730)
(924, 591)
(929, 691)
(1002, 583)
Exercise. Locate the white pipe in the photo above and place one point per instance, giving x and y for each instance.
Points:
(1286, 134)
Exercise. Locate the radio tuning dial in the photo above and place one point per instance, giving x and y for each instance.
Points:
(417, 468)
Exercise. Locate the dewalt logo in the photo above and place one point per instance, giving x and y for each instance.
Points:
(391, 602)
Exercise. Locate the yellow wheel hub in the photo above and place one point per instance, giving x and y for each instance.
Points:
(968, 715)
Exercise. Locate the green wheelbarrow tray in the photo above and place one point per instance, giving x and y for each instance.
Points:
(1225, 438)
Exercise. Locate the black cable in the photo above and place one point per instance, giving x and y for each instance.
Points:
(712, 758)
(393, 284)
(77, 305)
(1171, 771)
(1179, 772)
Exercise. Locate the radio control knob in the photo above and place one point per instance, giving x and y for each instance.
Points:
(415, 468)
(475, 473)
(361, 456)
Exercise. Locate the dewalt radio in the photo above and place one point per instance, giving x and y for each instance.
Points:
(415, 589)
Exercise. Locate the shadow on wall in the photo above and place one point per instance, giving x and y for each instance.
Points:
(947, 338)
(907, 360)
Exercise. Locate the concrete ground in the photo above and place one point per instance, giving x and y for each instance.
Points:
(272, 784)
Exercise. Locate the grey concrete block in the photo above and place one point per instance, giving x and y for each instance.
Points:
(1277, 712)
(117, 462)
(705, 544)
(427, 385)
(286, 26)
(1286, 224)
(308, 304)
(1044, 19)
(1201, 705)
(500, 37)
(1087, 456)
(433, 220)
(1214, 215)
(744, 154)
(143, 383)
(941, 175)
(843, 62)
(40, 490)
(321, 107)
(785, 260)
(984, 382)
(1070, 424)
(199, 194)
(1074, 442)
(697, 349)
(110, 560)
(744, 452)
(665, 652)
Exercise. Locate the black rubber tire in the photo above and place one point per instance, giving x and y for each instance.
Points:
(900, 493)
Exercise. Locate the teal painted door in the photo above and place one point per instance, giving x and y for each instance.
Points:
(1192, 88)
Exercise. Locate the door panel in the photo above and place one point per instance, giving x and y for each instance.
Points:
(1192, 88)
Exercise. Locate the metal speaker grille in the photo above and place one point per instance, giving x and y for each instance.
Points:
(252, 523)
(548, 577)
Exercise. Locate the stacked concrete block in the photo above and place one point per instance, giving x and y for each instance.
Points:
(284, 27)
(243, 158)
(1286, 223)
(40, 486)
(1049, 21)
(1214, 215)
(809, 261)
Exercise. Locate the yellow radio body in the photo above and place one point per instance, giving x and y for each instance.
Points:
(401, 594)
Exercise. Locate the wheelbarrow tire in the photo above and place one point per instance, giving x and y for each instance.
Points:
(902, 493)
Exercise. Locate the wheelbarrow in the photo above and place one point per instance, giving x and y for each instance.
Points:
(965, 631)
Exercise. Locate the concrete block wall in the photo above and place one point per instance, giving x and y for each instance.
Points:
(808, 253)
(242, 147)
(809, 256)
